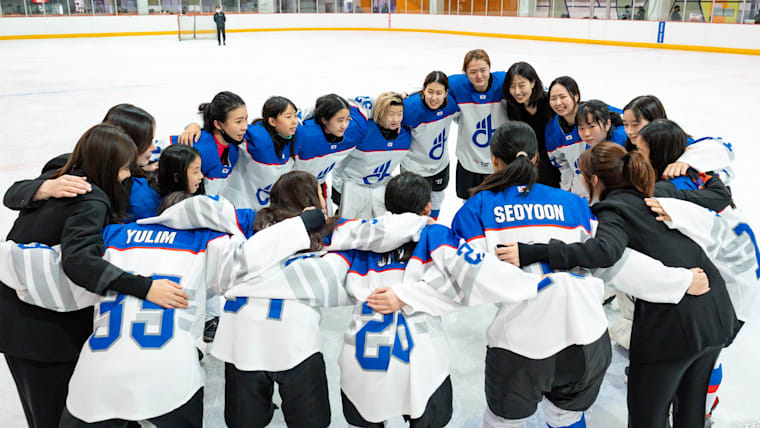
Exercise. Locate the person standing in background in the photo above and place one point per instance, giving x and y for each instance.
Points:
(220, 19)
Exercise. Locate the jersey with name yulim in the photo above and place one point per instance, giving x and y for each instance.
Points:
(215, 172)
(318, 156)
(481, 114)
(374, 158)
(140, 361)
(491, 218)
(429, 152)
(257, 168)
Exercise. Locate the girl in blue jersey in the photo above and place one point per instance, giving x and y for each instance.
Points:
(528, 101)
(270, 151)
(321, 141)
(595, 123)
(429, 114)
(561, 135)
(225, 121)
(565, 367)
(359, 179)
(704, 154)
(478, 94)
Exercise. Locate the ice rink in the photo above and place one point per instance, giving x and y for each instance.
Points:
(51, 91)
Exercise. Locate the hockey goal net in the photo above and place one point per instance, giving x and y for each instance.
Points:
(191, 27)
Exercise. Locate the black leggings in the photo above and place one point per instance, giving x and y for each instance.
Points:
(221, 34)
(42, 388)
(653, 386)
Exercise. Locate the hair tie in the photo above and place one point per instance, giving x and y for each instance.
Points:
(521, 154)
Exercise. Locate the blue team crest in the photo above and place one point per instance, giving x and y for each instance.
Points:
(438, 146)
(483, 132)
(263, 195)
(379, 174)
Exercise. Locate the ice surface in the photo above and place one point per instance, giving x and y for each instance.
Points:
(53, 90)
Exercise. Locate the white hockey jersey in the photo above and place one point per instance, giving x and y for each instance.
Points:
(545, 213)
(731, 244)
(140, 361)
(246, 323)
(318, 156)
(401, 358)
(257, 168)
(481, 115)
(711, 154)
(429, 152)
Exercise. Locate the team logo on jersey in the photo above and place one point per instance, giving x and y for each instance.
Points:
(333, 146)
(482, 97)
(440, 113)
(390, 143)
(439, 145)
(483, 132)
(365, 102)
(727, 145)
(568, 137)
(379, 174)
(225, 171)
(322, 174)
(263, 195)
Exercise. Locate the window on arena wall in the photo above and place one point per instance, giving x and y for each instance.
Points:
(13, 7)
(80, 7)
(229, 6)
(249, 6)
(126, 6)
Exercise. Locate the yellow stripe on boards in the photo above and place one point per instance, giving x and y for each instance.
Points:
(714, 49)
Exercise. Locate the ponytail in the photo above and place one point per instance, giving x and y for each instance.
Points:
(515, 144)
(617, 168)
(222, 103)
(639, 172)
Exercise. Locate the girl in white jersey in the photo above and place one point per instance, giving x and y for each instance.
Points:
(267, 341)
(429, 115)
(479, 97)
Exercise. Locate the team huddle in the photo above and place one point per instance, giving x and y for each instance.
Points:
(127, 254)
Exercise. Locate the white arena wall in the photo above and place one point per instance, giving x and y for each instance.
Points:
(726, 38)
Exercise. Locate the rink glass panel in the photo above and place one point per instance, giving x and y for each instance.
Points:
(718, 11)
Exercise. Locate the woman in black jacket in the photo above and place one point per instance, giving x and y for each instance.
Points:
(528, 102)
(673, 347)
(41, 346)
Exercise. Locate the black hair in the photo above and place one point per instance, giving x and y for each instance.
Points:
(568, 83)
(435, 77)
(171, 199)
(172, 169)
(272, 108)
(406, 193)
(647, 107)
(527, 71)
(327, 107)
(100, 154)
(506, 143)
(218, 109)
(138, 124)
(666, 141)
(600, 113)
